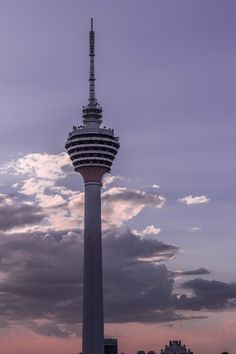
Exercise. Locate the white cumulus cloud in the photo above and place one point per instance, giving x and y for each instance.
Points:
(121, 204)
(149, 230)
(192, 200)
(44, 166)
(45, 181)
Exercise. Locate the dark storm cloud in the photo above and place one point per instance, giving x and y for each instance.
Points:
(42, 274)
(41, 281)
(199, 271)
(41, 278)
(209, 294)
(127, 247)
(14, 212)
(132, 285)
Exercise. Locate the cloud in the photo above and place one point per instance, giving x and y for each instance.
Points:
(208, 295)
(119, 205)
(41, 282)
(16, 213)
(190, 200)
(51, 329)
(41, 278)
(195, 229)
(108, 180)
(38, 178)
(149, 230)
(132, 279)
(122, 204)
(41, 267)
(41, 264)
(43, 166)
(45, 180)
(199, 271)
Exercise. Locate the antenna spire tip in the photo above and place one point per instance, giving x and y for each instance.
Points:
(91, 24)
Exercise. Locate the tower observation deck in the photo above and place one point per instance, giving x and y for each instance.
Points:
(92, 150)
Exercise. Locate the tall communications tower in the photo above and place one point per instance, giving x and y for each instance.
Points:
(92, 150)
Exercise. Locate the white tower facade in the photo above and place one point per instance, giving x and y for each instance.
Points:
(92, 150)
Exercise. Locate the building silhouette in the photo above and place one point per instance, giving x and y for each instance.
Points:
(141, 352)
(175, 347)
(92, 150)
(110, 346)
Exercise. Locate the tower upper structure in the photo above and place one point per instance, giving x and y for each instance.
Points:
(92, 148)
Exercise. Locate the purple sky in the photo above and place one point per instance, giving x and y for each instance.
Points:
(166, 78)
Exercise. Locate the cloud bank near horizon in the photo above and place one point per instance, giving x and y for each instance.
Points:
(41, 283)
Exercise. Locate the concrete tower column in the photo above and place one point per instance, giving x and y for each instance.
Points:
(93, 330)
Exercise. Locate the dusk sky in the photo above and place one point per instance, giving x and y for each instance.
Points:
(166, 79)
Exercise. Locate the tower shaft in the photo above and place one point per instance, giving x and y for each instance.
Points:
(93, 322)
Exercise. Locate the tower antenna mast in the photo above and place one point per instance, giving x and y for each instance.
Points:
(92, 98)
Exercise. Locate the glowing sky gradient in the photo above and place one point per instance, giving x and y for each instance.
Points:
(166, 80)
